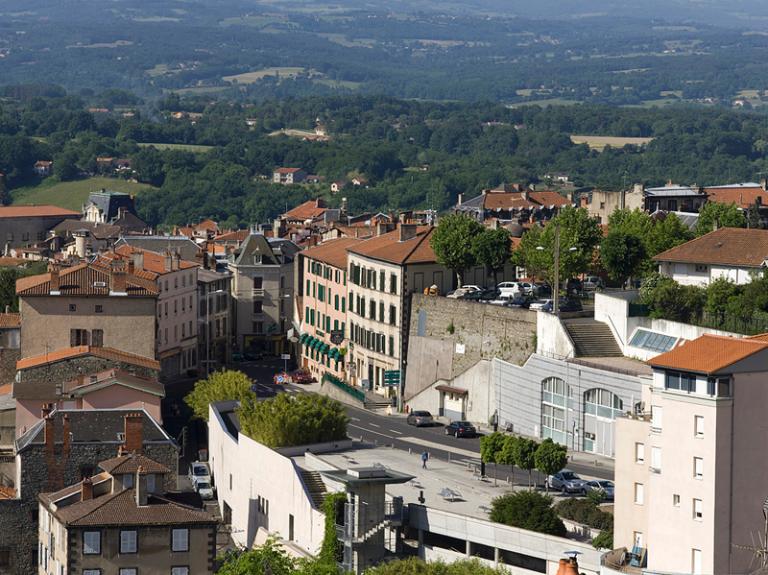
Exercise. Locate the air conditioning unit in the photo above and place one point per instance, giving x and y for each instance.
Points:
(99, 284)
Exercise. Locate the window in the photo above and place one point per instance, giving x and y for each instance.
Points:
(652, 341)
(382, 280)
(72, 307)
(392, 315)
(381, 311)
(656, 459)
(676, 500)
(680, 381)
(151, 482)
(98, 308)
(179, 539)
(702, 268)
(698, 513)
(603, 403)
(656, 417)
(258, 282)
(128, 541)
(78, 337)
(258, 327)
(698, 468)
(290, 517)
(698, 426)
(696, 561)
(129, 571)
(639, 453)
(258, 306)
(639, 493)
(97, 338)
(179, 570)
(393, 284)
(91, 571)
(555, 400)
(128, 480)
(91, 542)
(719, 386)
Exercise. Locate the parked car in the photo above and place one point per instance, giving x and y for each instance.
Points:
(204, 489)
(420, 418)
(302, 376)
(487, 294)
(541, 304)
(519, 300)
(542, 290)
(508, 289)
(237, 357)
(460, 429)
(253, 355)
(565, 305)
(527, 288)
(602, 486)
(463, 290)
(199, 472)
(592, 283)
(567, 482)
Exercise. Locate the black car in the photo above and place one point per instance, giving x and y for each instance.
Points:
(487, 294)
(520, 300)
(460, 429)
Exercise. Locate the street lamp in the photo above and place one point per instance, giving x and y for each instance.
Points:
(556, 287)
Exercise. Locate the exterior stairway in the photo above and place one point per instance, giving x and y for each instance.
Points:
(592, 338)
(376, 401)
(314, 482)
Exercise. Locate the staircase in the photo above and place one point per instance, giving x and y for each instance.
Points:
(314, 483)
(376, 401)
(592, 338)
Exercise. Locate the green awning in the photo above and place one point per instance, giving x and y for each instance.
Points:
(317, 344)
(325, 348)
(334, 353)
(303, 337)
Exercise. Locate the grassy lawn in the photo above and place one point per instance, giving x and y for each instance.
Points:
(71, 195)
(256, 75)
(600, 142)
(194, 148)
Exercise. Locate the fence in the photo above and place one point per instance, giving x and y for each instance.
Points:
(358, 394)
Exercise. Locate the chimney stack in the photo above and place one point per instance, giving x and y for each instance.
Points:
(138, 259)
(117, 277)
(168, 259)
(53, 269)
(86, 489)
(66, 438)
(134, 432)
(381, 228)
(460, 200)
(344, 206)
(141, 487)
(407, 231)
(175, 260)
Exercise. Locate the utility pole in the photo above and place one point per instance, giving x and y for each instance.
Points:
(556, 287)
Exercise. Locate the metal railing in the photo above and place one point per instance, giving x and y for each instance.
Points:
(345, 387)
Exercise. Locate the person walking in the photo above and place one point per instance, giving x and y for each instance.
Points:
(424, 457)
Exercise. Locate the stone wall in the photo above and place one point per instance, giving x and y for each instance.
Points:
(448, 336)
(8, 359)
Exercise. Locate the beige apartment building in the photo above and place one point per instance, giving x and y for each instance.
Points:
(323, 295)
(689, 488)
(262, 292)
(122, 522)
(176, 283)
(383, 272)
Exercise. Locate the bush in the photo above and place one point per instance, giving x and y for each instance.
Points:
(219, 386)
(604, 540)
(527, 510)
(586, 512)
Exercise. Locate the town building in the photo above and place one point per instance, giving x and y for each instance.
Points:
(687, 498)
(746, 196)
(600, 204)
(182, 245)
(84, 239)
(321, 286)
(287, 176)
(116, 208)
(514, 203)
(735, 254)
(674, 198)
(175, 281)
(262, 293)
(10, 346)
(214, 291)
(25, 225)
(383, 272)
(121, 520)
(43, 168)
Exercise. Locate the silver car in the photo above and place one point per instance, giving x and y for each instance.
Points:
(601, 486)
(420, 418)
(567, 482)
(205, 489)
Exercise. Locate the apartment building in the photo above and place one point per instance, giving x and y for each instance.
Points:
(121, 521)
(22, 225)
(383, 272)
(175, 280)
(214, 290)
(323, 313)
(262, 292)
(688, 492)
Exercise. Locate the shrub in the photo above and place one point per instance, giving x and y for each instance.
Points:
(586, 512)
(527, 510)
(604, 540)
(219, 386)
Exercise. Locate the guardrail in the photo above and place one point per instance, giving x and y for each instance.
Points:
(358, 394)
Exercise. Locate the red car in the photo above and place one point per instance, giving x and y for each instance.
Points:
(302, 376)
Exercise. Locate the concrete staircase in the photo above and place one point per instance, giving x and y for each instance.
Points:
(376, 401)
(314, 482)
(592, 338)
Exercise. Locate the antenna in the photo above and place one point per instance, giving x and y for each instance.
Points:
(759, 549)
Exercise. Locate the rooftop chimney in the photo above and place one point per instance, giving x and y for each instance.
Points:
(344, 204)
(138, 259)
(460, 200)
(141, 487)
(134, 432)
(168, 259)
(407, 231)
(86, 489)
(53, 269)
(175, 260)
(381, 228)
(117, 277)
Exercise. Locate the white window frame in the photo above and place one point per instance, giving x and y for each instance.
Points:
(129, 541)
(698, 468)
(698, 426)
(696, 560)
(639, 453)
(91, 571)
(129, 571)
(698, 510)
(656, 459)
(180, 570)
(87, 546)
(675, 500)
(657, 417)
(639, 494)
(180, 531)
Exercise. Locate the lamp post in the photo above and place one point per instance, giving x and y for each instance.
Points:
(556, 279)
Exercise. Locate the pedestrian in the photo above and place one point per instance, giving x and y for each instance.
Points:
(424, 457)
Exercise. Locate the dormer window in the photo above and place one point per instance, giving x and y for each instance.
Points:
(719, 386)
(256, 259)
(127, 480)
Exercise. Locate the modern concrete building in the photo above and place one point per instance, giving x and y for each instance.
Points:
(262, 290)
(687, 495)
(214, 318)
(25, 225)
(600, 204)
(122, 521)
(322, 288)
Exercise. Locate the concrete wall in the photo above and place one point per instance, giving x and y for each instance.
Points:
(238, 466)
(449, 336)
(552, 339)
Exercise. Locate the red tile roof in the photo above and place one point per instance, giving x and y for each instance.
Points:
(726, 246)
(498, 200)
(82, 279)
(130, 463)
(743, 197)
(709, 353)
(35, 212)
(10, 320)
(388, 247)
(287, 170)
(307, 211)
(236, 236)
(102, 352)
(332, 252)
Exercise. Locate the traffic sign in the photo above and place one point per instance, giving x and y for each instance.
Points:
(285, 356)
(392, 377)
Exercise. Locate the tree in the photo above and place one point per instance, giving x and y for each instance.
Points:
(452, 242)
(665, 234)
(669, 300)
(415, 566)
(491, 448)
(525, 455)
(65, 166)
(550, 457)
(719, 293)
(623, 255)
(527, 510)
(491, 248)
(715, 215)
(580, 235)
(219, 386)
(604, 540)
(288, 420)
(269, 558)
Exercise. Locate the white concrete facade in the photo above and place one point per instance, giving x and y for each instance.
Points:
(686, 273)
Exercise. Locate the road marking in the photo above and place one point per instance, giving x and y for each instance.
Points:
(374, 425)
(354, 419)
(394, 431)
(371, 431)
(440, 446)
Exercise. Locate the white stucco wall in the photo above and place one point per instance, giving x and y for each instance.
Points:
(552, 339)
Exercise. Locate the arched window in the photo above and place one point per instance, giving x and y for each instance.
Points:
(602, 403)
(556, 398)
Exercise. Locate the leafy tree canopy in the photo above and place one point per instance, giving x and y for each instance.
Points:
(452, 242)
(527, 510)
(550, 457)
(491, 248)
(714, 215)
(219, 386)
(623, 255)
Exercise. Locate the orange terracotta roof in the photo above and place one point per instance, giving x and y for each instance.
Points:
(307, 211)
(287, 170)
(153, 261)
(743, 197)
(207, 225)
(709, 353)
(10, 320)
(83, 279)
(35, 211)
(332, 252)
(548, 198)
(102, 352)
(388, 247)
(726, 246)
(236, 235)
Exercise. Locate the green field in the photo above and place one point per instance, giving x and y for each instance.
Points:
(256, 75)
(600, 142)
(194, 148)
(72, 195)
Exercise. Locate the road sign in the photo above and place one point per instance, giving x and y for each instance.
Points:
(285, 356)
(392, 377)
(337, 336)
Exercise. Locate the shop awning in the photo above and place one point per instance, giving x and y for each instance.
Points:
(453, 390)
